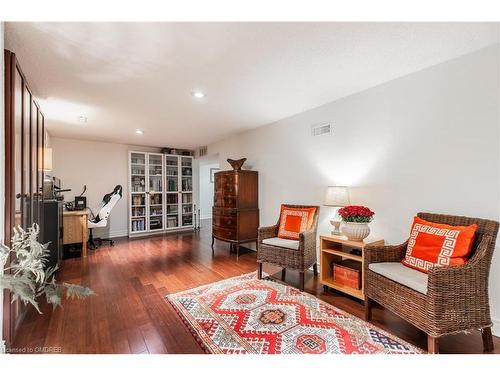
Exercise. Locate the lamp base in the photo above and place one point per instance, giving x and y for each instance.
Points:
(336, 227)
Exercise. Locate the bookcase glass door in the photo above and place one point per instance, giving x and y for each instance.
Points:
(137, 192)
(186, 191)
(172, 191)
(161, 191)
(155, 191)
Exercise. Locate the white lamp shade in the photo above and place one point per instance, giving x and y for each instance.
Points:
(47, 159)
(337, 196)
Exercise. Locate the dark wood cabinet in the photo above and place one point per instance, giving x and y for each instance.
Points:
(53, 231)
(24, 145)
(235, 214)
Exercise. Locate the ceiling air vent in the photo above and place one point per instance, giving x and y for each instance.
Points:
(321, 129)
(201, 151)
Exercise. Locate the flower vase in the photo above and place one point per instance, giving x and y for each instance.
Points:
(355, 231)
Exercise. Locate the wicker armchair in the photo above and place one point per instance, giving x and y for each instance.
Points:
(457, 296)
(298, 259)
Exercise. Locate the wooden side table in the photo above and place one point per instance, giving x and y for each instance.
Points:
(334, 249)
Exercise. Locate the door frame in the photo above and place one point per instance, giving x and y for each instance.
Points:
(10, 66)
(13, 314)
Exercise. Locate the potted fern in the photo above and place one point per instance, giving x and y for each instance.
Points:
(26, 277)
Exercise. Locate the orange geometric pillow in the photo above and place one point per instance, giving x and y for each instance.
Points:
(295, 220)
(438, 245)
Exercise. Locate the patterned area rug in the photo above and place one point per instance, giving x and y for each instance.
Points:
(246, 315)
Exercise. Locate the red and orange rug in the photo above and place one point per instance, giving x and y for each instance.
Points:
(245, 315)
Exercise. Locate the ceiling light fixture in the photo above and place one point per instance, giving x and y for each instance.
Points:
(139, 131)
(67, 112)
(198, 94)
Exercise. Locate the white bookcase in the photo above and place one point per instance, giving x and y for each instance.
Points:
(160, 192)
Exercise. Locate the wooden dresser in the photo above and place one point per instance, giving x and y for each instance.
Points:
(235, 215)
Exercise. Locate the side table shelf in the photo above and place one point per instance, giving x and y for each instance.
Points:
(334, 249)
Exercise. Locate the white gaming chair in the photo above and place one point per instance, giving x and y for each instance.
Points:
(101, 219)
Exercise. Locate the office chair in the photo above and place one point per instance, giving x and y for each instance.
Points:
(101, 219)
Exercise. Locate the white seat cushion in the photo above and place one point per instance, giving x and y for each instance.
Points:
(399, 273)
(282, 242)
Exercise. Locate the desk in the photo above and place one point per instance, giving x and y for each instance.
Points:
(75, 228)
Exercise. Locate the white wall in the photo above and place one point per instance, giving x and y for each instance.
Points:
(428, 141)
(99, 165)
(206, 190)
(2, 163)
(495, 269)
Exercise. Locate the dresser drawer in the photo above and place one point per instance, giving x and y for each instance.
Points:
(225, 221)
(226, 189)
(224, 211)
(224, 233)
(225, 179)
(221, 200)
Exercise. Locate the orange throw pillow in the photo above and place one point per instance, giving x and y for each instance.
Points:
(295, 220)
(438, 245)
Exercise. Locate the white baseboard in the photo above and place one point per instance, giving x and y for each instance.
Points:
(118, 233)
(496, 327)
(110, 234)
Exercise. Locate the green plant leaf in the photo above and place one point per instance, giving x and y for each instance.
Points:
(53, 293)
(77, 291)
(27, 276)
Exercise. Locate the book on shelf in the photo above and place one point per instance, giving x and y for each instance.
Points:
(187, 184)
(138, 225)
(155, 184)
(172, 222)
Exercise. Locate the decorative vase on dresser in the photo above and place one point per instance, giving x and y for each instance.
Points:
(235, 214)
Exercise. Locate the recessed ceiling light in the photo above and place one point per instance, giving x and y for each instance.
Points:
(139, 131)
(82, 119)
(198, 94)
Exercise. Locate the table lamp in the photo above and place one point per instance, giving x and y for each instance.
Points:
(336, 196)
(47, 159)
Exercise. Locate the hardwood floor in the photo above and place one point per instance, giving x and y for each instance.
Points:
(130, 315)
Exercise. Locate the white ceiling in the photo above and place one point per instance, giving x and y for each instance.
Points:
(124, 76)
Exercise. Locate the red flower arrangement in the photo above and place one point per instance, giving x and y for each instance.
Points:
(356, 214)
